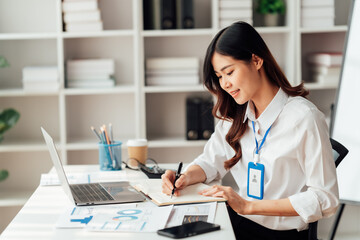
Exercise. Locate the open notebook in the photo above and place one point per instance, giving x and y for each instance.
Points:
(152, 189)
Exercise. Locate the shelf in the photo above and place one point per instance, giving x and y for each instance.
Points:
(24, 146)
(14, 198)
(324, 30)
(26, 36)
(164, 89)
(105, 33)
(164, 142)
(25, 93)
(171, 33)
(319, 86)
(94, 91)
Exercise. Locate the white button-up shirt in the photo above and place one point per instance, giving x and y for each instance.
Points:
(297, 156)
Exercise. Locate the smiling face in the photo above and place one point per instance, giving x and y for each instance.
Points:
(241, 79)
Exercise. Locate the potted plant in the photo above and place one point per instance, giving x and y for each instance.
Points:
(8, 118)
(271, 11)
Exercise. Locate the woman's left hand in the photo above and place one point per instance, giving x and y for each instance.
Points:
(237, 203)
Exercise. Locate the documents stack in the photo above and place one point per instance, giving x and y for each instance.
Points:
(90, 73)
(82, 15)
(172, 71)
(325, 67)
(320, 13)
(235, 10)
(40, 78)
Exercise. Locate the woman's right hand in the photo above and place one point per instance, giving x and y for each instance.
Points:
(168, 182)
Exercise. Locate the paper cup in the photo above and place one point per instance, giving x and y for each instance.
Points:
(137, 149)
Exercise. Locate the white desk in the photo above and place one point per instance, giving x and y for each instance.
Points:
(37, 219)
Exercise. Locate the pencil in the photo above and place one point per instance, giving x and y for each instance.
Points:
(95, 132)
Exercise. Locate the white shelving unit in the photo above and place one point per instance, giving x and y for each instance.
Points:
(33, 35)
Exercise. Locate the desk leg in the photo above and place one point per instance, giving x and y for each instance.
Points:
(337, 220)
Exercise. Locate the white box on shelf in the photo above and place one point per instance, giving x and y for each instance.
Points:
(235, 13)
(40, 86)
(36, 73)
(235, 4)
(318, 22)
(75, 6)
(325, 58)
(83, 16)
(318, 12)
(172, 80)
(317, 3)
(172, 63)
(104, 83)
(84, 26)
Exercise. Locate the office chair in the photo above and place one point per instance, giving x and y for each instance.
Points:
(339, 153)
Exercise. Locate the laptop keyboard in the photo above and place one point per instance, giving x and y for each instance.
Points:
(90, 193)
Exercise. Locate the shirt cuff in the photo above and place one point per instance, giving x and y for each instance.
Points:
(307, 205)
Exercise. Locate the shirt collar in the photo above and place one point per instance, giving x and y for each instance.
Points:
(272, 111)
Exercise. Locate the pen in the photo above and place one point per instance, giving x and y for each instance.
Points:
(176, 178)
(97, 135)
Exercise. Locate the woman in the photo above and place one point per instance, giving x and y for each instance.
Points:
(273, 141)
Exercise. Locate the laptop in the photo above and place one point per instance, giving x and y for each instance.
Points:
(91, 193)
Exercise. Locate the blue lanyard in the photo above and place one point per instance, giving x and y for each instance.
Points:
(262, 142)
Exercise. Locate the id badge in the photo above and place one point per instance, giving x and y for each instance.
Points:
(255, 181)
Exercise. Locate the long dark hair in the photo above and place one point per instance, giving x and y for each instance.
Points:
(240, 41)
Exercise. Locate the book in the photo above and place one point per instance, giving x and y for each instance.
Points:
(172, 80)
(103, 83)
(318, 22)
(40, 86)
(325, 58)
(172, 63)
(317, 12)
(91, 65)
(235, 4)
(317, 3)
(74, 6)
(170, 72)
(84, 26)
(193, 131)
(152, 188)
(86, 16)
(235, 13)
(36, 73)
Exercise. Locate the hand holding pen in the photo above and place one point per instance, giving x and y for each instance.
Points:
(178, 174)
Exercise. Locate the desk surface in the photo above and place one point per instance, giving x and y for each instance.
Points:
(37, 219)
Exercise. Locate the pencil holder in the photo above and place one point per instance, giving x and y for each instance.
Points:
(110, 156)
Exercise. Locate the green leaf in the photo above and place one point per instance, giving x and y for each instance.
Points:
(8, 119)
(3, 174)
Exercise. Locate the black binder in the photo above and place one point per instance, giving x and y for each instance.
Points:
(185, 14)
(168, 14)
(151, 13)
(206, 118)
(193, 118)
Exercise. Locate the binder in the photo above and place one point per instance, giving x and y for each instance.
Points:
(185, 14)
(168, 14)
(193, 118)
(151, 13)
(206, 119)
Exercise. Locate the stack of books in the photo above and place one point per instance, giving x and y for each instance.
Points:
(320, 13)
(325, 68)
(231, 11)
(82, 15)
(172, 71)
(90, 73)
(40, 78)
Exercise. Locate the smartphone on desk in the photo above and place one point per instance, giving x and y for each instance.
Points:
(188, 229)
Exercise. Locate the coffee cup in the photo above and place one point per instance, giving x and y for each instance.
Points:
(137, 151)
